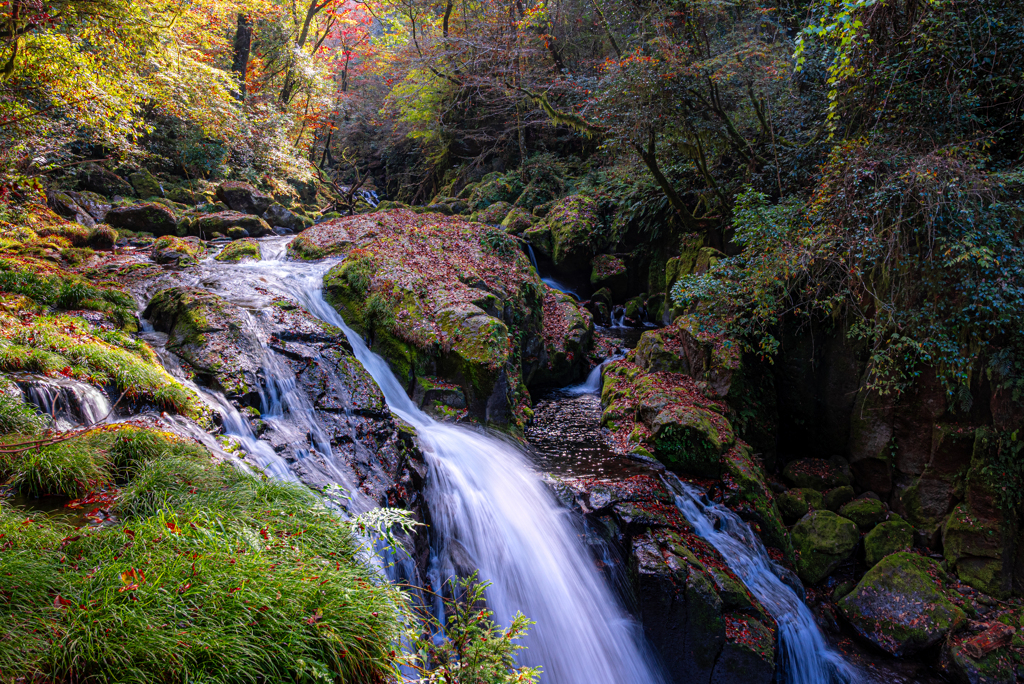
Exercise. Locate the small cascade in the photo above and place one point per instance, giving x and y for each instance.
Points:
(592, 385)
(804, 656)
(370, 197)
(618, 317)
(71, 403)
(533, 257)
(555, 285)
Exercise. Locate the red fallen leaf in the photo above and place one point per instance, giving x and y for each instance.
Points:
(132, 579)
(232, 591)
(185, 587)
(316, 617)
(263, 533)
(61, 602)
(130, 533)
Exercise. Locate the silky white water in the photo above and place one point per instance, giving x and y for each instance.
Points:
(804, 657)
(490, 510)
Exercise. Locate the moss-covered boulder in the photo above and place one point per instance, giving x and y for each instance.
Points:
(145, 184)
(278, 216)
(796, 503)
(837, 497)
(177, 251)
(493, 214)
(574, 223)
(493, 188)
(887, 538)
(900, 606)
(517, 221)
(102, 236)
(95, 178)
(865, 512)
(539, 237)
(817, 473)
(436, 296)
(210, 334)
(148, 217)
(244, 198)
(822, 541)
(975, 549)
(233, 224)
(995, 667)
(610, 271)
(246, 249)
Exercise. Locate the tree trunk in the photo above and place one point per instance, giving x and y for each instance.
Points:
(242, 47)
(650, 158)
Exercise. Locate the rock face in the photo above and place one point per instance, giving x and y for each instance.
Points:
(887, 538)
(822, 541)
(148, 217)
(706, 626)
(177, 251)
(277, 216)
(244, 198)
(899, 605)
(443, 297)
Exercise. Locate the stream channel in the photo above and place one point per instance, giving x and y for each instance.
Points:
(492, 506)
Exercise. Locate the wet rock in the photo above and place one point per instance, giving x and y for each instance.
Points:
(276, 215)
(234, 224)
(245, 249)
(822, 541)
(64, 205)
(900, 607)
(243, 198)
(96, 205)
(539, 236)
(817, 473)
(975, 549)
(211, 335)
(887, 538)
(865, 512)
(148, 217)
(573, 223)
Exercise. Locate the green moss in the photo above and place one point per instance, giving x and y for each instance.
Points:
(185, 250)
(886, 538)
(574, 224)
(746, 474)
(822, 541)
(240, 250)
(865, 512)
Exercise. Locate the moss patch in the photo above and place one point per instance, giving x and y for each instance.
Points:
(246, 249)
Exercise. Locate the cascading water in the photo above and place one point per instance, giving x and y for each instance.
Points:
(69, 402)
(592, 385)
(555, 285)
(804, 657)
(492, 512)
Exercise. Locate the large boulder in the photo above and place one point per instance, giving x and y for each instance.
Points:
(494, 214)
(177, 251)
(822, 541)
(145, 184)
(610, 271)
(574, 223)
(147, 217)
(232, 224)
(887, 538)
(95, 178)
(796, 503)
(277, 216)
(900, 605)
(243, 197)
(865, 512)
(246, 249)
(436, 297)
(64, 205)
(976, 548)
(212, 336)
(516, 221)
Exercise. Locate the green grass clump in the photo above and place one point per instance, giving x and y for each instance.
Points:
(240, 250)
(66, 468)
(212, 575)
(62, 290)
(72, 346)
(15, 414)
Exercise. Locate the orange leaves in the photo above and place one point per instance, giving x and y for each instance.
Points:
(132, 579)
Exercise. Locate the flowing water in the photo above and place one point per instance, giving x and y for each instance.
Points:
(804, 655)
(70, 403)
(490, 511)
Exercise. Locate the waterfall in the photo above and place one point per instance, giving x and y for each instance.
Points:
(555, 285)
(533, 257)
(70, 403)
(804, 657)
(592, 385)
(491, 512)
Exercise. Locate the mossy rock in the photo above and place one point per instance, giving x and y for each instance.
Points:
(754, 496)
(575, 224)
(691, 439)
(995, 667)
(493, 214)
(149, 217)
(817, 473)
(822, 541)
(796, 503)
(517, 221)
(234, 224)
(974, 547)
(609, 271)
(247, 249)
(539, 236)
(178, 251)
(900, 606)
(887, 538)
(493, 188)
(244, 198)
(837, 497)
(145, 184)
(102, 236)
(865, 512)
